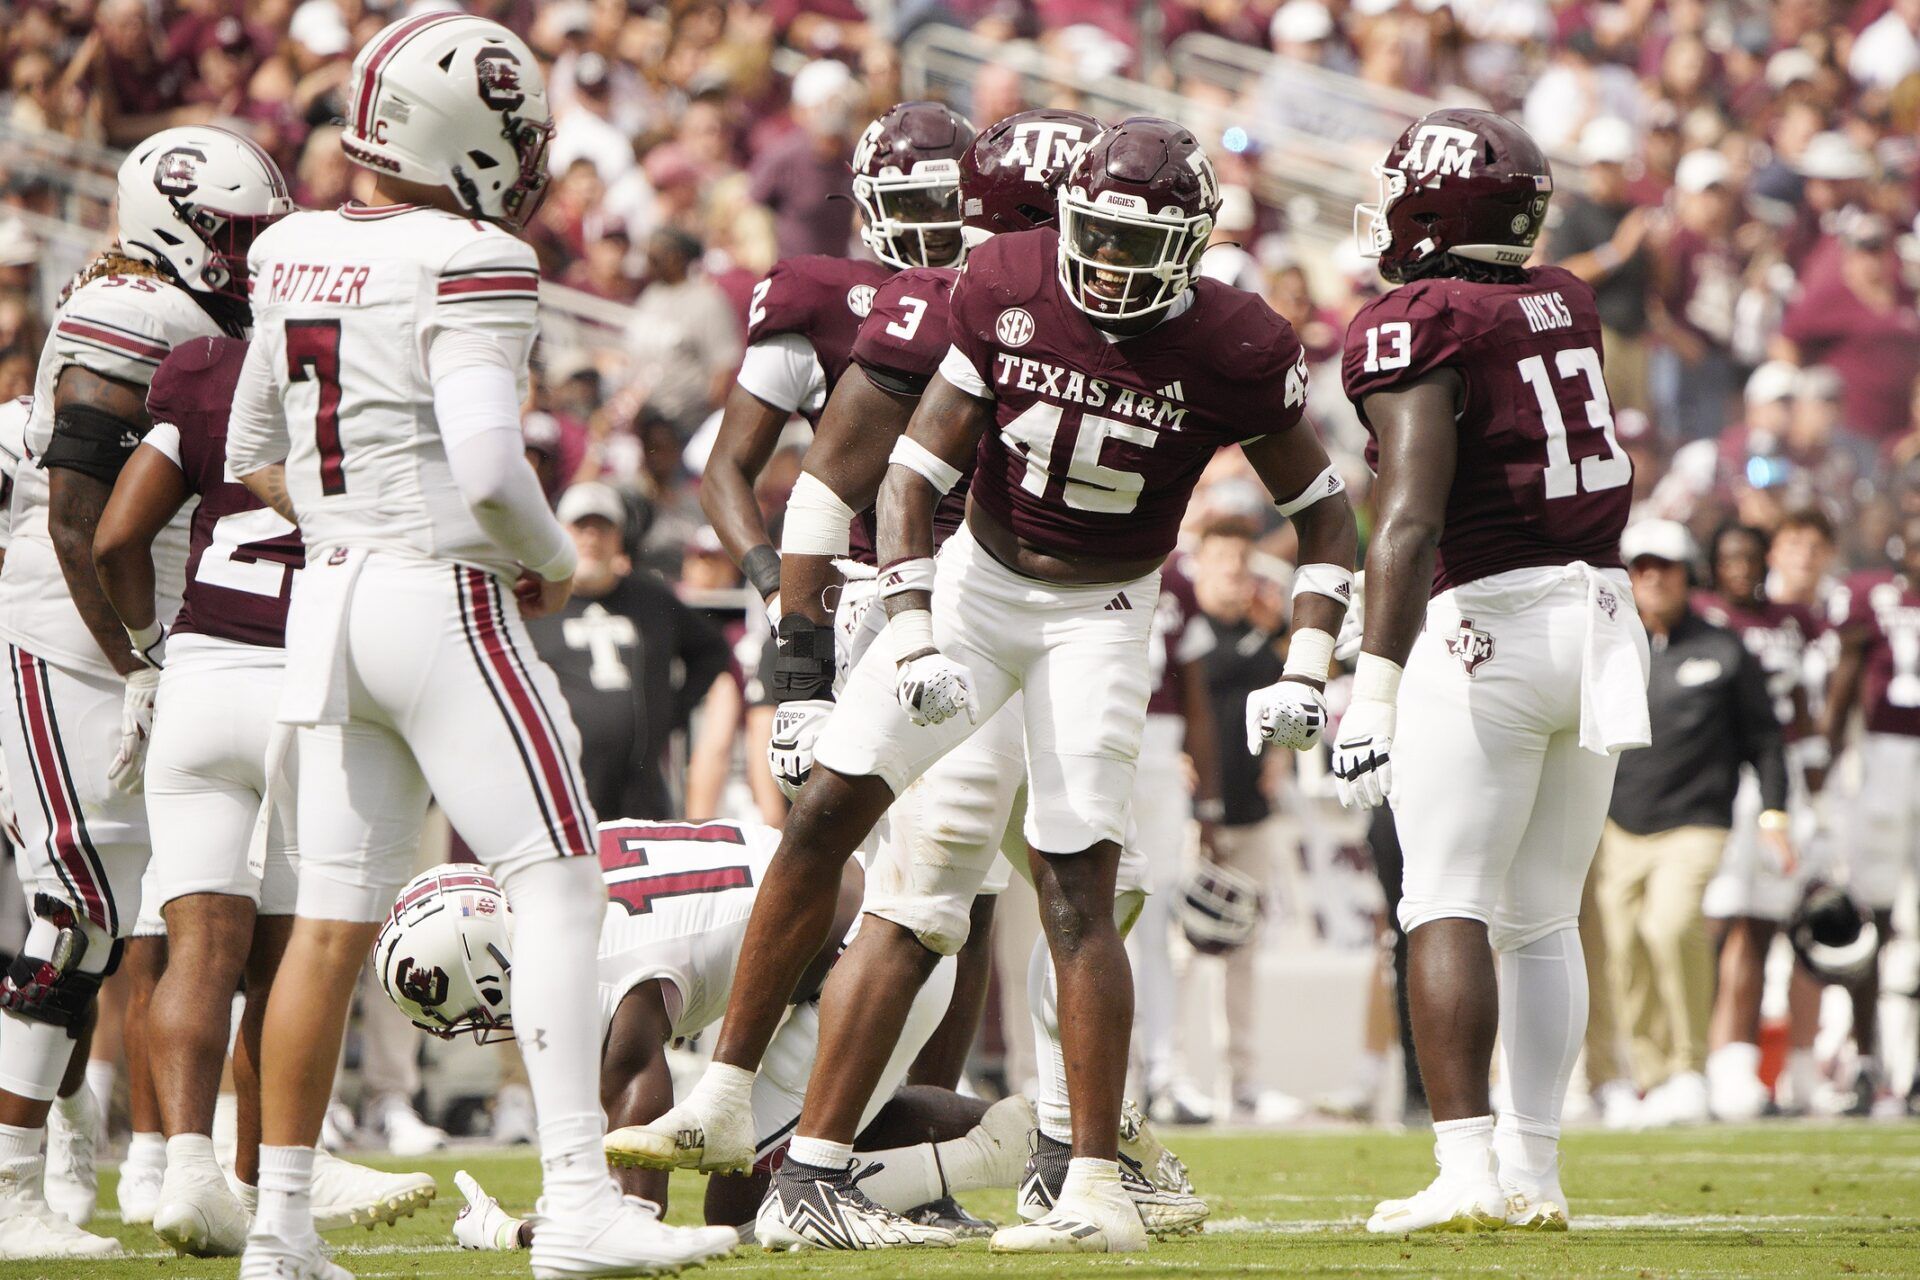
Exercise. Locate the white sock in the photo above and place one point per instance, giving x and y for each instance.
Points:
(723, 1085)
(1804, 1070)
(100, 1077)
(1543, 1020)
(226, 1127)
(33, 1057)
(17, 1144)
(145, 1151)
(557, 906)
(285, 1216)
(820, 1153)
(1091, 1178)
(1050, 1093)
(1464, 1146)
(188, 1151)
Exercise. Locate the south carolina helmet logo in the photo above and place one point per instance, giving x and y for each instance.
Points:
(498, 73)
(1470, 645)
(178, 173)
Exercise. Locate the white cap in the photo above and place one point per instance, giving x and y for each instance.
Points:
(1236, 209)
(1607, 140)
(592, 498)
(1790, 66)
(1658, 540)
(319, 26)
(1301, 22)
(18, 247)
(1699, 170)
(1833, 156)
(1819, 382)
(1774, 380)
(820, 82)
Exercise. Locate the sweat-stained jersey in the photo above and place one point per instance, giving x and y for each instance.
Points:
(678, 898)
(1099, 443)
(119, 327)
(1777, 635)
(1888, 607)
(346, 304)
(243, 554)
(819, 301)
(1540, 478)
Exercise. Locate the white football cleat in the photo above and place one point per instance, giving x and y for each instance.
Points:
(198, 1215)
(628, 1240)
(73, 1136)
(1449, 1203)
(691, 1135)
(138, 1191)
(482, 1223)
(1140, 1144)
(1680, 1100)
(351, 1195)
(1619, 1105)
(1162, 1211)
(407, 1135)
(1079, 1222)
(1534, 1204)
(29, 1229)
(290, 1260)
(513, 1118)
(811, 1208)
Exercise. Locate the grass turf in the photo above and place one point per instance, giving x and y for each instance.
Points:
(1778, 1200)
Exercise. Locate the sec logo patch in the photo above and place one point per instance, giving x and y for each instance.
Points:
(1014, 328)
(860, 299)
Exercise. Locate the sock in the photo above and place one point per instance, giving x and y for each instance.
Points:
(1804, 1071)
(724, 1085)
(17, 1144)
(1090, 1178)
(33, 1057)
(1464, 1146)
(285, 1216)
(100, 1077)
(1543, 1020)
(820, 1153)
(1050, 1093)
(145, 1151)
(899, 1178)
(226, 1127)
(187, 1151)
(557, 1022)
(76, 1108)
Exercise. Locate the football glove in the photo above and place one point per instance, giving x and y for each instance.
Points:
(934, 689)
(1287, 713)
(1362, 754)
(1353, 624)
(128, 771)
(790, 748)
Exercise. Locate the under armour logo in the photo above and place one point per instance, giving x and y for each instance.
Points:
(537, 1042)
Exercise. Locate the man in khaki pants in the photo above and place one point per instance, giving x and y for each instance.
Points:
(1672, 807)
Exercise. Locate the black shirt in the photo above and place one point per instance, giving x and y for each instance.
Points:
(1711, 714)
(1242, 660)
(633, 665)
(1621, 295)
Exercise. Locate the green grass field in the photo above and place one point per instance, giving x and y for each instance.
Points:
(1782, 1200)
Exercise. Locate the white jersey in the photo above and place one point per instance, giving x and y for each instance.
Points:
(120, 327)
(346, 304)
(678, 899)
(13, 447)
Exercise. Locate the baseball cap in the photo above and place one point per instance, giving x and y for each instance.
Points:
(1774, 380)
(1607, 140)
(820, 82)
(1658, 540)
(319, 26)
(592, 498)
(1700, 170)
(1791, 66)
(1301, 22)
(1833, 157)
(18, 247)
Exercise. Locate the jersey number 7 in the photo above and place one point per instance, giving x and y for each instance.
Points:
(313, 355)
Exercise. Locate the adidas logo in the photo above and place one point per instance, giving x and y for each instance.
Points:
(1118, 602)
(1173, 391)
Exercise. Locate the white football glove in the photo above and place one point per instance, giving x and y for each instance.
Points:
(482, 1223)
(1287, 713)
(934, 689)
(128, 771)
(1353, 624)
(1362, 763)
(790, 748)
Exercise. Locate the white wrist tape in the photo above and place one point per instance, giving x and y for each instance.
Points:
(1328, 580)
(1309, 654)
(1324, 485)
(912, 632)
(1376, 679)
(903, 576)
(817, 520)
(916, 457)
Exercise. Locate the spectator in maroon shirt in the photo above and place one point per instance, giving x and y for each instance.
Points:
(798, 175)
(1862, 324)
(140, 90)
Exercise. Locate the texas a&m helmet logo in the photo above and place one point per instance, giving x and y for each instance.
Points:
(498, 72)
(1046, 147)
(1014, 328)
(1438, 149)
(1470, 645)
(178, 173)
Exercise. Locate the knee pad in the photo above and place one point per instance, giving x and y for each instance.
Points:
(51, 980)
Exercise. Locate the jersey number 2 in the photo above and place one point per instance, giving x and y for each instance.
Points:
(313, 355)
(1596, 473)
(231, 559)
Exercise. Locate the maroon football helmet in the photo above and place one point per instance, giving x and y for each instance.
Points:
(1009, 175)
(1135, 214)
(1469, 183)
(906, 180)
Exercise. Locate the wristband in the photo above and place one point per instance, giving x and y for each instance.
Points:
(922, 461)
(1774, 820)
(761, 568)
(1309, 654)
(1324, 485)
(1328, 580)
(902, 576)
(1376, 679)
(912, 632)
(1209, 810)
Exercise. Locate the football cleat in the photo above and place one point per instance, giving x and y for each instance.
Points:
(1447, 1204)
(198, 1215)
(73, 1135)
(1140, 1144)
(813, 1208)
(1084, 1220)
(29, 1229)
(290, 1260)
(948, 1214)
(138, 1191)
(351, 1195)
(1534, 1204)
(1162, 1211)
(482, 1223)
(689, 1136)
(627, 1240)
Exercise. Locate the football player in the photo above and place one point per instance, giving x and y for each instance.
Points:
(189, 202)
(379, 409)
(1493, 578)
(1877, 615)
(1113, 375)
(228, 905)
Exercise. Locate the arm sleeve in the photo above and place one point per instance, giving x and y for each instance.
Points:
(257, 427)
(1759, 731)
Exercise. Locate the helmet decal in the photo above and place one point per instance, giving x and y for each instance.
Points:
(178, 173)
(498, 74)
(1439, 148)
(1046, 148)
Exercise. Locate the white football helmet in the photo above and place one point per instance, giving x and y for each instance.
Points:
(456, 101)
(444, 956)
(1218, 908)
(191, 202)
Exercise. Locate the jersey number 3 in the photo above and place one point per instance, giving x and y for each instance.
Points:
(1594, 474)
(313, 355)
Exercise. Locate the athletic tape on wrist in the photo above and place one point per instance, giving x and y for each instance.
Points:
(912, 632)
(1324, 485)
(1309, 654)
(1376, 678)
(1328, 580)
(903, 576)
(818, 522)
(917, 458)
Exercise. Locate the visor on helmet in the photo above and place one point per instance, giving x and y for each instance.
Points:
(913, 219)
(1116, 264)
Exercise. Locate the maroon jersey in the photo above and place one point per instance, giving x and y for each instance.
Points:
(1099, 443)
(822, 300)
(1539, 478)
(1181, 634)
(1777, 635)
(1888, 607)
(901, 343)
(243, 554)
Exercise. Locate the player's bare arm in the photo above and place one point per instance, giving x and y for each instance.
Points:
(944, 433)
(1203, 748)
(749, 429)
(269, 484)
(636, 1084)
(1293, 465)
(78, 487)
(1415, 426)
(1843, 686)
(150, 491)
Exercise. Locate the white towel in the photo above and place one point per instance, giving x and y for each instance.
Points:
(316, 685)
(1613, 669)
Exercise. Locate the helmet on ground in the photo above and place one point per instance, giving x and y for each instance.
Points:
(191, 201)
(1833, 936)
(444, 956)
(906, 180)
